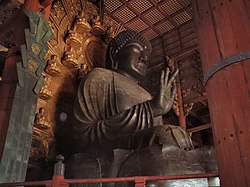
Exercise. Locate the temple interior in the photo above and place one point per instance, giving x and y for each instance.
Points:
(48, 49)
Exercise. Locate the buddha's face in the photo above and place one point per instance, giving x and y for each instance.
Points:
(133, 60)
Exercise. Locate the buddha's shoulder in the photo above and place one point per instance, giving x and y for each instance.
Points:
(107, 76)
(100, 70)
(99, 74)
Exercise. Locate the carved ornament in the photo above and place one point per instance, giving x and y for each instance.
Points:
(70, 58)
(32, 65)
(42, 137)
(36, 48)
(41, 141)
(45, 93)
(97, 28)
(187, 108)
(77, 46)
(40, 120)
(74, 39)
(176, 107)
(52, 66)
(81, 24)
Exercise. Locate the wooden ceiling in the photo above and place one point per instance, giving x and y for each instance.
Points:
(153, 18)
(170, 21)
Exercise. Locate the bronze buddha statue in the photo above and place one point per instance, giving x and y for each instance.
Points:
(110, 102)
(113, 110)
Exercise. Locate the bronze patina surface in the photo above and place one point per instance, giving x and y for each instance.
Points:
(110, 103)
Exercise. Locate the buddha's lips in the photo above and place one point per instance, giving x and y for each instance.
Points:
(142, 66)
(143, 61)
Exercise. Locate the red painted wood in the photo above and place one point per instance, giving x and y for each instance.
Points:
(240, 24)
(227, 147)
(246, 67)
(140, 182)
(32, 5)
(208, 41)
(46, 3)
(240, 111)
(181, 116)
(35, 6)
(47, 11)
(60, 180)
(223, 31)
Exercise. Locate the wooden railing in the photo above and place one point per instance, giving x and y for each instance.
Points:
(58, 179)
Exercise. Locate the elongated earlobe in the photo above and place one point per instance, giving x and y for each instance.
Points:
(113, 64)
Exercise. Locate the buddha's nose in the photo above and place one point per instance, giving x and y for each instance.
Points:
(144, 58)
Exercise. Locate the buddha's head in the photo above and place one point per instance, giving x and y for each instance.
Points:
(129, 52)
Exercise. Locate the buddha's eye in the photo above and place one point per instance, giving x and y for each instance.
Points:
(135, 49)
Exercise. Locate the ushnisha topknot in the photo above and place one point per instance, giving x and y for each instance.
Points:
(120, 41)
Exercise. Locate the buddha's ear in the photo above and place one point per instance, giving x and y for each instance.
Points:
(116, 66)
(111, 61)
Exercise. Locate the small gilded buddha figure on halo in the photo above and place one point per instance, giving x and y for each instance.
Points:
(97, 28)
(81, 24)
(40, 120)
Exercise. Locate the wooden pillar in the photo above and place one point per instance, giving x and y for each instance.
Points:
(180, 111)
(181, 116)
(223, 32)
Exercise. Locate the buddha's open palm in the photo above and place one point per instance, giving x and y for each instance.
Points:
(163, 102)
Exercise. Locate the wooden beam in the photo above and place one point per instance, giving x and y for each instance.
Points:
(199, 128)
(175, 29)
(197, 99)
(173, 57)
(200, 118)
(183, 52)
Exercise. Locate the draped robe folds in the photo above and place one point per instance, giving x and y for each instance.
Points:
(109, 105)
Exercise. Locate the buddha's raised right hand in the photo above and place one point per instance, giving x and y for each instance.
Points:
(163, 102)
